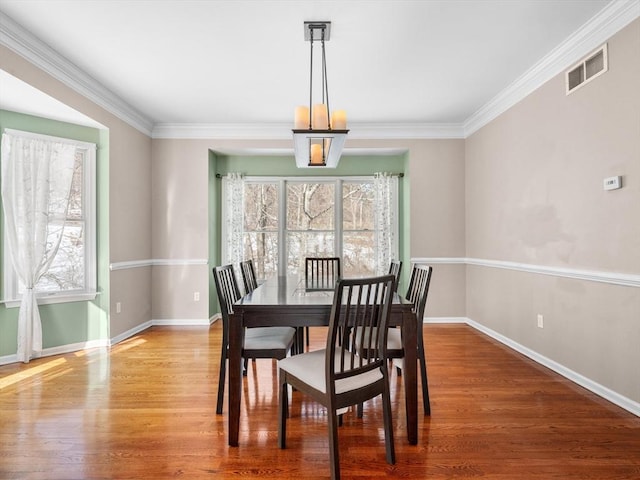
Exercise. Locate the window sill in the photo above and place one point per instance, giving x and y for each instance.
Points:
(52, 299)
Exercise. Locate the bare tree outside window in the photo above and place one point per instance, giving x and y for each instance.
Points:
(261, 227)
(310, 228)
(358, 242)
(67, 271)
(310, 222)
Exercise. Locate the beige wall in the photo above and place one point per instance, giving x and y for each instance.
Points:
(534, 195)
(180, 228)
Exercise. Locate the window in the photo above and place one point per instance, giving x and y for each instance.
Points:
(310, 229)
(358, 229)
(72, 273)
(260, 232)
(323, 217)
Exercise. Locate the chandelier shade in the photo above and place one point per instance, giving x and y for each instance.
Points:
(318, 134)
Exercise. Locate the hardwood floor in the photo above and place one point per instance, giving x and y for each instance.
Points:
(145, 409)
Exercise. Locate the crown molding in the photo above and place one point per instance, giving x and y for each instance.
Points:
(282, 131)
(611, 19)
(16, 38)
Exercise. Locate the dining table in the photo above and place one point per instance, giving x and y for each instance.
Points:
(285, 301)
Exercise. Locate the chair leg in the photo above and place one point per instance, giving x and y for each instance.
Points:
(245, 365)
(307, 331)
(388, 424)
(423, 372)
(334, 457)
(223, 368)
(283, 411)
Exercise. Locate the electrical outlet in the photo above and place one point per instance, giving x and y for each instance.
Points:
(540, 321)
(118, 307)
(196, 296)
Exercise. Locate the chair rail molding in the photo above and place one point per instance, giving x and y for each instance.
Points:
(157, 262)
(614, 278)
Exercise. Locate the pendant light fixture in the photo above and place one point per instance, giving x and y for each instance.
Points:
(318, 134)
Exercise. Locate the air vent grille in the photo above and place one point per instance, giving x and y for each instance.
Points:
(590, 67)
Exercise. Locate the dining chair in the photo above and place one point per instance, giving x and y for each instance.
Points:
(394, 269)
(321, 273)
(417, 294)
(337, 376)
(248, 276)
(259, 342)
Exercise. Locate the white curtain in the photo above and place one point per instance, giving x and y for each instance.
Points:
(36, 179)
(233, 192)
(386, 188)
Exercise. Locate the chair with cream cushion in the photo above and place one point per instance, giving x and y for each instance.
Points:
(337, 376)
(260, 342)
(417, 294)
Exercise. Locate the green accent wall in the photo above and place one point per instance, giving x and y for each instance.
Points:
(285, 166)
(72, 322)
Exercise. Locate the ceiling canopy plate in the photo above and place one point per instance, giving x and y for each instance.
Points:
(316, 28)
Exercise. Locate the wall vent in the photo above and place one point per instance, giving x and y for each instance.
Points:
(593, 65)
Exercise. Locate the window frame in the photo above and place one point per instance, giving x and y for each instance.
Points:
(338, 230)
(12, 297)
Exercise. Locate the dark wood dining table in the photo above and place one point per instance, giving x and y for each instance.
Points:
(284, 301)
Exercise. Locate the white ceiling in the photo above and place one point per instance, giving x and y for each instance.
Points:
(246, 61)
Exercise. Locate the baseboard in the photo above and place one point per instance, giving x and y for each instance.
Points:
(445, 320)
(183, 322)
(59, 350)
(131, 332)
(7, 359)
(594, 387)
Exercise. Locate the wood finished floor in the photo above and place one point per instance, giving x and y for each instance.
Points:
(145, 409)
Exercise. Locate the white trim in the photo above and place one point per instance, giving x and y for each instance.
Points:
(594, 387)
(157, 262)
(131, 332)
(282, 131)
(182, 322)
(59, 350)
(75, 347)
(7, 359)
(434, 320)
(55, 298)
(614, 278)
(16, 38)
(611, 19)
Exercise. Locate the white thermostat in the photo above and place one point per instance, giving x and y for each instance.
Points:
(613, 183)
